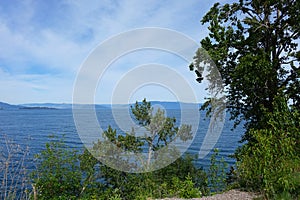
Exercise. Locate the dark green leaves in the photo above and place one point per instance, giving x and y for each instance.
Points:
(58, 173)
(254, 46)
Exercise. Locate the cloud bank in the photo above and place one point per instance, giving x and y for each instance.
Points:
(44, 43)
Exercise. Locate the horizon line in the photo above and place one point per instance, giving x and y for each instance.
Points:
(17, 104)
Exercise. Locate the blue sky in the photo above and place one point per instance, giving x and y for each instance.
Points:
(44, 43)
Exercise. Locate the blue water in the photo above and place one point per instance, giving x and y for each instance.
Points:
(32, 128)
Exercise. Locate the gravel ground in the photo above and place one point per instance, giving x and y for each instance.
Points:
(232, 195)
(229, 195)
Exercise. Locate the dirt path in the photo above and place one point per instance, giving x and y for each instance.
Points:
(229, 195)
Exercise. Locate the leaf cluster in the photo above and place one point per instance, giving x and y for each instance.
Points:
(271, 164)
(254, 46)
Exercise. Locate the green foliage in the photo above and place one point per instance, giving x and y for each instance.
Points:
(161, 131)
(163, 183)
(190, 179)
(63, 173)
(217, 173)
(142, 112)
(116, 149)
(271, 164)
(184, 189)
(91, 185)
(253, 45)
(57, 175)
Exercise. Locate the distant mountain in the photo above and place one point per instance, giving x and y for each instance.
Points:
(6, 106)
(37, 108)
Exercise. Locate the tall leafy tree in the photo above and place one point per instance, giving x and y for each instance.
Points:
(254, 45)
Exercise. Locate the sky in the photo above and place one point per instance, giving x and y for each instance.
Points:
(44, 44)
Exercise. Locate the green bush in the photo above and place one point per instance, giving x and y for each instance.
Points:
(63, 173)
(57, 175)
(184, 189)
(180, 179)
(271, 163)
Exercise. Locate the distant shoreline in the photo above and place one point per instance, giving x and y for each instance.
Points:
(37, 108)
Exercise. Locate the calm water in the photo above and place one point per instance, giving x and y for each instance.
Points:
(32, 128)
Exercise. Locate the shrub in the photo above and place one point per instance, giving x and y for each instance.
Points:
(185, 189)
(57, 175)
(271, 163)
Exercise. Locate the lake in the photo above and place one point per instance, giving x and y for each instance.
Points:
(32, 128)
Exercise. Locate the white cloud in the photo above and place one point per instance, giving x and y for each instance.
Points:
(24, 88)
(44, 43)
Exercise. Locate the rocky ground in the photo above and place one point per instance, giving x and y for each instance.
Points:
(229, 195)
